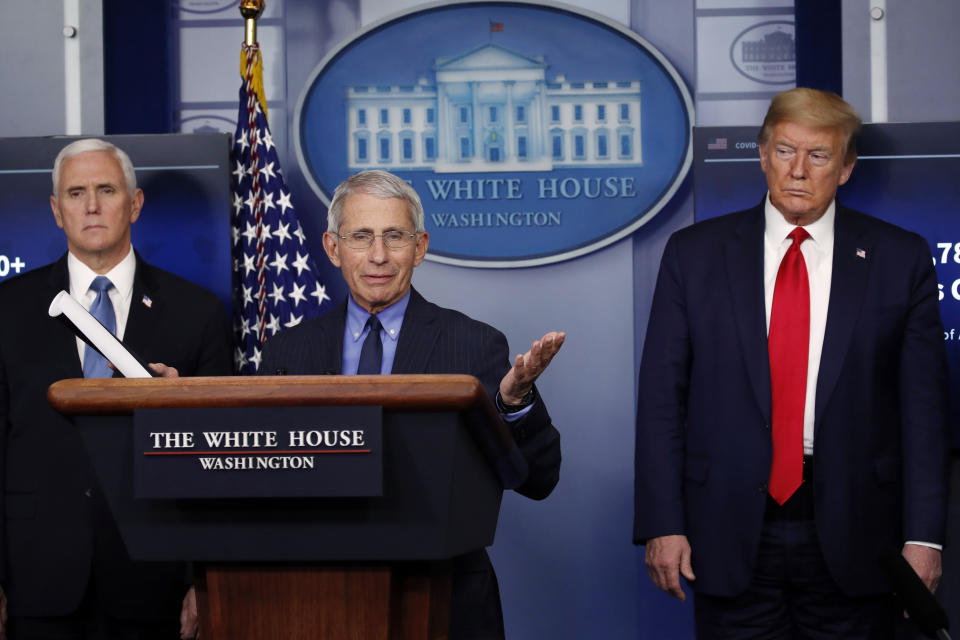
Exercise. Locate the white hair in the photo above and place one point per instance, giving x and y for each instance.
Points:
(94, 144)
(380, 184)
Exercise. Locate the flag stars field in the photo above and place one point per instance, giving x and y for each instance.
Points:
(266, 292)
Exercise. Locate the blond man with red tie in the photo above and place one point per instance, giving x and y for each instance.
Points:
(791, 420)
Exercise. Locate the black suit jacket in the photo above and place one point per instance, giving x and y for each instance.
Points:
(57, 530)
(437, 340)
(880, 438)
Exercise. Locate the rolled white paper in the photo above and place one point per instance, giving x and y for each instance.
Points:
(98, 335)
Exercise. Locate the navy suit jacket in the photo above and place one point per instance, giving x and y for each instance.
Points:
(57, 529)
(437, 340)
(703, 428)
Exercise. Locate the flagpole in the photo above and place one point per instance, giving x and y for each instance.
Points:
(251, 10)
(253, 81)
(264, 224)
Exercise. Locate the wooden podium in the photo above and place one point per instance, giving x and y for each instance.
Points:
(318, 567)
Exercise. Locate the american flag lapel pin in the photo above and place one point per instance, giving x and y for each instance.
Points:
(147, 302)
(862, 254)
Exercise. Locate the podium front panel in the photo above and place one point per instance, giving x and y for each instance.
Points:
(440, 499)
(258, 452)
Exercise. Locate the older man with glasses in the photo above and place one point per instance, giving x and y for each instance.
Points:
(376, 236)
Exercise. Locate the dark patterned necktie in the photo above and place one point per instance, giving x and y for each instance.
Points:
(371, 355)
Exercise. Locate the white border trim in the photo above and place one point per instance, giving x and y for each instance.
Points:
(73, 110)
(531, 262)
(878, 62)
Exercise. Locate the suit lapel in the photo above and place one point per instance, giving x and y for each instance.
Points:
(146, 310)
(62, 341)
(418, 335)
(744, 260)
(847, 287)
(328, 345)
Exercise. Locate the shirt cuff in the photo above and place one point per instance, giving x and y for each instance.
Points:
(513, 416)
(516, 415)
(938, 547)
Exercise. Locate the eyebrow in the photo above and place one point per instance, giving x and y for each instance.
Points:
(369, 230)
(99, 185)
(784, 143)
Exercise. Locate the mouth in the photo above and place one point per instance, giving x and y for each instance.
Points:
(378, 278)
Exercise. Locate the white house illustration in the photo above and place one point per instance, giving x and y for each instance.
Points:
(492, 109)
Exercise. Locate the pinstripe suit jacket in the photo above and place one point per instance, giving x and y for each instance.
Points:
(437, 340)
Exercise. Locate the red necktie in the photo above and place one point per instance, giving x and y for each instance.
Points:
(788, 345)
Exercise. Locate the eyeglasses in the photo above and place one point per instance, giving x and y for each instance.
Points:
(391, 239)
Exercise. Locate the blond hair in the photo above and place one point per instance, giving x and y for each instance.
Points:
(817, 109)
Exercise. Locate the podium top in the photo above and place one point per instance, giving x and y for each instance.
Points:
(406, 392)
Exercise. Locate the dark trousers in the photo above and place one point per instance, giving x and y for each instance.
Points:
(91, 622)
(791, 594)
(79, 627)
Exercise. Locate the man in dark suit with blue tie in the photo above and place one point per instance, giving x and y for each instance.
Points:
(376, 236)
(64, 570)
(791, 422)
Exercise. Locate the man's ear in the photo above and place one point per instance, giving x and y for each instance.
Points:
(136, 205)
(423, 241)
(763, 157)
(331, 244)
(56, 211)
(847, 171)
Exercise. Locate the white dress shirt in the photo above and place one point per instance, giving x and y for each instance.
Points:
(81, 276)
(818, 255)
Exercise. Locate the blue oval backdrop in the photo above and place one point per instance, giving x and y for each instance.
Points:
(533, 133)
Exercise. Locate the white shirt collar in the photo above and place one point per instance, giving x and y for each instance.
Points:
(121, 276)
(776, 227)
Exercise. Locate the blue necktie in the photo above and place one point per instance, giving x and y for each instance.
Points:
(371, 355)
(94, 364)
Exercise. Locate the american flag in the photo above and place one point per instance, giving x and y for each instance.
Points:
(275, 282)
(717, 144)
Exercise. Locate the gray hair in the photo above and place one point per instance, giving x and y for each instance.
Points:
(94, 144)
(379, 184)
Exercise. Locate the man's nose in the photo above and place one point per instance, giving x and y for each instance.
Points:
(377, 251)
(798, 167)
(92, 204)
